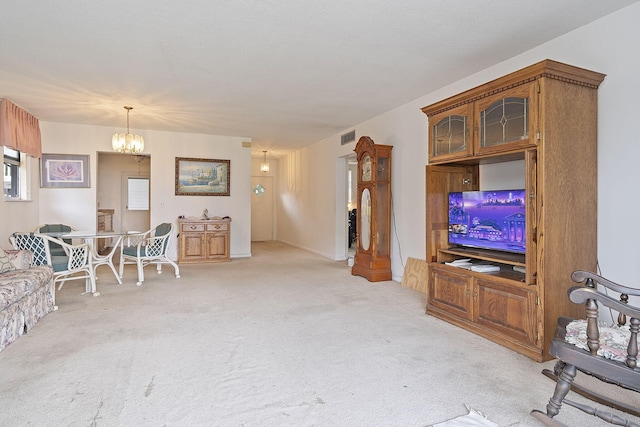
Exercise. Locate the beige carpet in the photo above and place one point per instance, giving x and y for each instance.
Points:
(284, 338)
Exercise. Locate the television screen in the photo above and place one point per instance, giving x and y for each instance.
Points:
(488, 219)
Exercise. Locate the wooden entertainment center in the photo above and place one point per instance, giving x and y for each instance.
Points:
(545, 117)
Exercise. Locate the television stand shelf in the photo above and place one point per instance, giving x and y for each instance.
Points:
(545, 118)
(451, 254)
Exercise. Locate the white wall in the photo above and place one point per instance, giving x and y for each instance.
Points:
(77, 207)
(307, 215)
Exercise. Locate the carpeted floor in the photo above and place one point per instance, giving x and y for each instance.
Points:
(284, 338)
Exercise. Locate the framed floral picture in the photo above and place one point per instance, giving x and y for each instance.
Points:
(202, 177)
(64, 171)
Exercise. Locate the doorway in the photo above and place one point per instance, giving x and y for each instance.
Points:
(113, 171)
(262, 202)
(352, 185)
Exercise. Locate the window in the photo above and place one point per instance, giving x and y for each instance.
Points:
(15, 182)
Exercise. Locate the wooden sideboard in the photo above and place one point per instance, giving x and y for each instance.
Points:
(204, 240)
(105, 223)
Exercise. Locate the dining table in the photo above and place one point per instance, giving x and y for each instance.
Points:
(97, 259)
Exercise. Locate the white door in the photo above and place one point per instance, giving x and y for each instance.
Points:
(262, 202)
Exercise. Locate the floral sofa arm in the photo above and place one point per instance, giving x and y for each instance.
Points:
(20, 258)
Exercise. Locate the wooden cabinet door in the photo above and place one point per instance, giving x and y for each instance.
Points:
(439, 181)
(192, 246)
(507, 309)
(450, 292)
(217, 245)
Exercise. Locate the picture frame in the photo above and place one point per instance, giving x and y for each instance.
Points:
(64, 171)
(202, 177)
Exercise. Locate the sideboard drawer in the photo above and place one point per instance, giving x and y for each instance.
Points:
(217, 227)
(192, 227)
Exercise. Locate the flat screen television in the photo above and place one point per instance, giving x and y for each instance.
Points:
(488, 220)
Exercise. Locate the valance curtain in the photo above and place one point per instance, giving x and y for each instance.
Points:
(19, 129)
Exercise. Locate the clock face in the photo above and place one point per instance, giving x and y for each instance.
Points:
(366, 168)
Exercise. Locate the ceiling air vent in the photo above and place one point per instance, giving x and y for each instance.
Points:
(348, 137)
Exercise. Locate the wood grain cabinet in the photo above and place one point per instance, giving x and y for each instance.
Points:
(104, 223)
(544, 117)
(497, 306)
(204, 240)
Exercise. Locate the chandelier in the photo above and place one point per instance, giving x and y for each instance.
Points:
(264, 166)
(127, 143)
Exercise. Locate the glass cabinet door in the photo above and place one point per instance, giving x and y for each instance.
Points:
(383, 169)
(449, 134)
(383, 206)
(505, 121)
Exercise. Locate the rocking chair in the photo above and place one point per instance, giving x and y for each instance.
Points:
(609, 354)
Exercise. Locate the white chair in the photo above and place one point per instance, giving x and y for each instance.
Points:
(75, 264)
(54, 248)
(147, 248)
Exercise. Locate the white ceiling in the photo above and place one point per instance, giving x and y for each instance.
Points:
(286, 73)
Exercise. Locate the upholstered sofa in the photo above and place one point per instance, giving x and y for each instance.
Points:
(26, 294)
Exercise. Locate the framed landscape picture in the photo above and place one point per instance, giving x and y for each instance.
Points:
(202, 177)
(64, 171)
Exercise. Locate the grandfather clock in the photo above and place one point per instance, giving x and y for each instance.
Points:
(373, 225)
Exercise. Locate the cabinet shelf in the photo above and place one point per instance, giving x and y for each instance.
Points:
(484, 255)
(506, 272)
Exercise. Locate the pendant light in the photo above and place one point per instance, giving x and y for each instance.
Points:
(127, 143)
(264, 166)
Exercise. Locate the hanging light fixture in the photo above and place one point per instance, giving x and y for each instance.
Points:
(264, 166)
(127, 143)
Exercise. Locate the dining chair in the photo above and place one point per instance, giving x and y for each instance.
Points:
(74, 264)
(55, 248)
(147, 248)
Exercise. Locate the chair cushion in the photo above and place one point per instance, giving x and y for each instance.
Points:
(55, 228)
(614, 340)
(132, 251)
(56, 250)
(162, 229)
(49, 228)
(60, 262)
